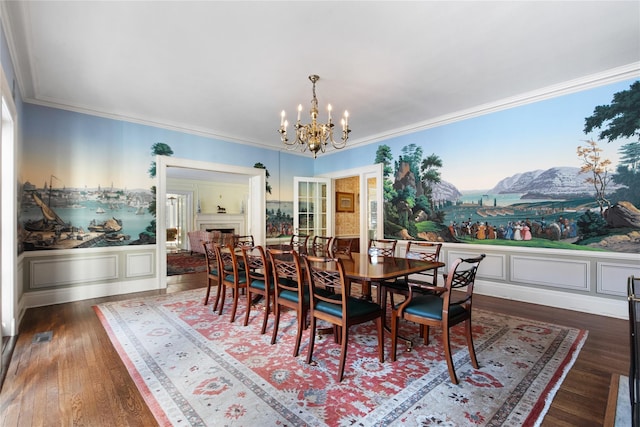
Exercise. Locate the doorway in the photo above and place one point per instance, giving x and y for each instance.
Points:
(254, 210)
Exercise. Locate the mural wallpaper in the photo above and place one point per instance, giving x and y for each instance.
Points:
(569, 196)
(559, 173)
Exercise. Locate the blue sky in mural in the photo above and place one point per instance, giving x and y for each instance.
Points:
(477, 153)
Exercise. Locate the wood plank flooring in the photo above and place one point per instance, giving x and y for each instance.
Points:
(78, 378)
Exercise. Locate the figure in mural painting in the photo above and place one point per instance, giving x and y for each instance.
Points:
(526, 232)
(517, 231)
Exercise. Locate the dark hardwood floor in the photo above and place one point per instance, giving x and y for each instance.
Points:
(78, 379)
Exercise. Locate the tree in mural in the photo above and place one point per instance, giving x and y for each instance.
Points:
(619, 120)
(267, 175)
(408, 192)
(157, 149)
(430, 175)
(598, 168)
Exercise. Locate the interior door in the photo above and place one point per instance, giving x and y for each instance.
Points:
(313, 206)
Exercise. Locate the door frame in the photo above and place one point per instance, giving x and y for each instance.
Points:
(255, 211)
(364, 172)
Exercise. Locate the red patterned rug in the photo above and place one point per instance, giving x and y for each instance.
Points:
(194, 367)
(185, 263)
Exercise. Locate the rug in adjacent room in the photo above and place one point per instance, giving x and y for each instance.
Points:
(194, 367)
(185, 263)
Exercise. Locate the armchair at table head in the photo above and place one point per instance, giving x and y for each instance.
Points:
(443, 311)
(331, 302)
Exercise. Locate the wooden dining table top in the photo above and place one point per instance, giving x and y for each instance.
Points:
(367, 268)
(363, 267)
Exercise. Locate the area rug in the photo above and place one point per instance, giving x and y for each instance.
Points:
(194, 367)
(185, 263)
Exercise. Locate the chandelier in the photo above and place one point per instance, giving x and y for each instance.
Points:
(314, 135)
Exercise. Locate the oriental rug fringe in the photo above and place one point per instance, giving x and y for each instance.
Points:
(194, 367)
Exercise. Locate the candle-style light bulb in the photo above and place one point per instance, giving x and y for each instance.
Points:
(346, 118)
(344, 126)
(286, 123)
(282, 118)
(329, 110)
(299, 111)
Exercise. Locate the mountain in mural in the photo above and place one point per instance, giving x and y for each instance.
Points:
(554, 182)
(446, 191)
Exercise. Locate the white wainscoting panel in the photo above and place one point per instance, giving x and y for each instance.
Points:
(58, 271)
(139, 265)
(494, 266)
(557, 273)
(612, 277)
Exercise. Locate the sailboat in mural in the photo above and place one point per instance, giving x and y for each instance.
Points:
(50, 219)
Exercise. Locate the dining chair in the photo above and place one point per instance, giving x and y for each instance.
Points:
(299, 242)
(423, 251)
(242, 241)
(231, 276)
(382, 247)
(337, 306)
(443, 311)
(212, 272)
(321, 246)
(378, 248)
(259, 281)
(342, 246)
(289, 291)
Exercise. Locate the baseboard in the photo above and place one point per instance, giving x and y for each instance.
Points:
(565, 300)
(78, 293)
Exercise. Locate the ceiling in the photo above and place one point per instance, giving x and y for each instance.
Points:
(226, 69)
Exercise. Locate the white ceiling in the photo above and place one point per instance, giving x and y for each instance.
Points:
(227, 69)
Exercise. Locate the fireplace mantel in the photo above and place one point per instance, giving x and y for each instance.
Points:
(206, 221)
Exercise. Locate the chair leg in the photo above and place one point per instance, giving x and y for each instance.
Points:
(380, 339)
(267, 304)
(472, 351)
(447, 354)
(301, 322)
(343, 351)
(236, 295)
(218, 289)
(206, 297)
(394, 335)
(223, 296)
(246, 314)
(312, 338)
(276, 322)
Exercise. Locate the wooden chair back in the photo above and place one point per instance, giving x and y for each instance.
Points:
(243, 241)
(231, 275)
(259, 280)
(424, 251)
(213, 268)
(289, 290)
(382, 247)
(321, 246)
(299, 243)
